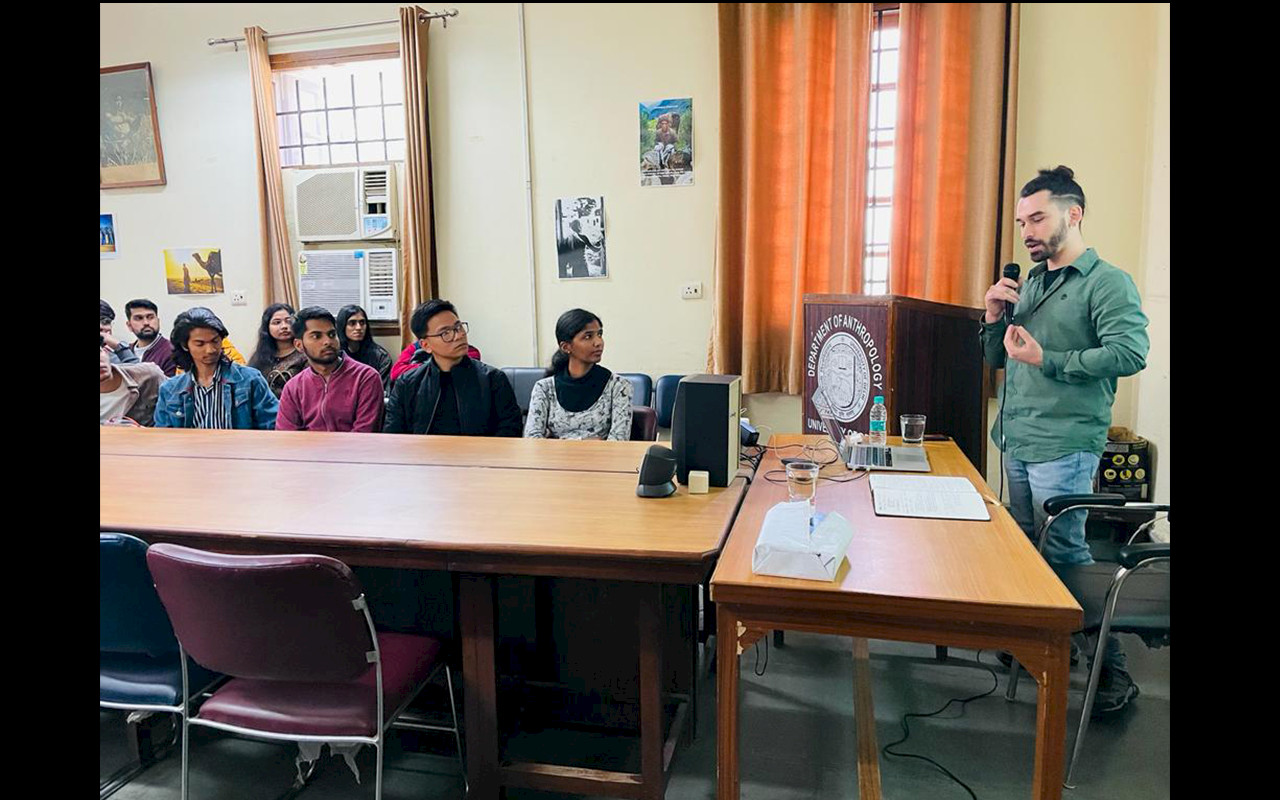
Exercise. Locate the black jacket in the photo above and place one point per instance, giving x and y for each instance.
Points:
(486, 402)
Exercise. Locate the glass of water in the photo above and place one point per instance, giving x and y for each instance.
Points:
(802, 482)
(912, 428)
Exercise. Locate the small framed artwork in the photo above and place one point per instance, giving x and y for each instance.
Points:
(129, 152)
(107, 236)
(580, 237)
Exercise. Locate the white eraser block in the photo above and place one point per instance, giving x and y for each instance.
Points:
(699, 479)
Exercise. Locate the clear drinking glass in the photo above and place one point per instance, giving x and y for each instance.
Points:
(912, 428)
(802, 482)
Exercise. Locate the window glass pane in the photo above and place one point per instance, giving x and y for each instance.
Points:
(888, 67)
(888, 38)
(290, 156)
(369, 123)
(878, 268)
(395, 122)
(372, 151)
(315, 155)
(338, 85)
(392, 83)
(880, 228)
(886, 109)
(314, 130)
(880, 183)
(310, 92)
(368, 90)
(881, 156)
(286, 97)
(343, 153)
(395, 150)
(289, 134)
(342, 126)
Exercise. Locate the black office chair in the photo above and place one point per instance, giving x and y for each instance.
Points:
(522, 381)
(1141, 569)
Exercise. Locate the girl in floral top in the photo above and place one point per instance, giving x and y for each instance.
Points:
(579, 399)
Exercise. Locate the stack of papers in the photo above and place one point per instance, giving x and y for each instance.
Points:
(927, 496)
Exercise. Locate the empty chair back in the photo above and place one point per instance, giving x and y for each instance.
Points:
(130, 616)
(644, 424)
(666, 398)
(286, 617)
(522, 381)
(641, 388)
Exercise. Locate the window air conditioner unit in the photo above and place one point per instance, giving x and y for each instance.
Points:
(335, 278)
(345, 204)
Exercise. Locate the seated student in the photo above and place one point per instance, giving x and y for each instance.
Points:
(211, 392)
(141, 317)
(579, 399)
(118, 350)
(357, 342)
(275, 356)
(337, 392)
(412, 356)
(228, 348)
(126, 390)
(452, 394)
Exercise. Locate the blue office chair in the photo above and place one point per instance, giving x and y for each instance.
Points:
(665, 395)
(138, 661)
(1141, 569)
(641, 388)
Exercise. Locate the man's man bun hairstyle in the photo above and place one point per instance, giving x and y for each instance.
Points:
(1061, 183)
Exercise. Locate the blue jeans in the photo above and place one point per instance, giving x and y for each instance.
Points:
(1030, 484)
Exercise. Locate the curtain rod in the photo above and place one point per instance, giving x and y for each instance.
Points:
(452, 12)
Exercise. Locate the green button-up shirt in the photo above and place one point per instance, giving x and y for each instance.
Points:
(1092, 329)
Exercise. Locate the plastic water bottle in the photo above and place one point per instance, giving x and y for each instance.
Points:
(879, 419)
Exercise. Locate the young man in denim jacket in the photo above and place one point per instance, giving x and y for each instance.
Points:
(212, 391)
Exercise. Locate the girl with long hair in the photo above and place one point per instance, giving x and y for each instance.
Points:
(275, 356)
(579, 399)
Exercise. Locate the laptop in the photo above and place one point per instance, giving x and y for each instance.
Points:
(887, 458)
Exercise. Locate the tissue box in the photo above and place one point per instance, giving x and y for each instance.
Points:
(787, 548)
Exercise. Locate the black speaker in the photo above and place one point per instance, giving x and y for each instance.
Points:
(656, 473)
(704, 426)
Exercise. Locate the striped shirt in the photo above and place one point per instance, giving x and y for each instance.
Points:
(210, 411)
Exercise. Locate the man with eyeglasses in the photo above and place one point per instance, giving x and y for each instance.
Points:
(452, 394)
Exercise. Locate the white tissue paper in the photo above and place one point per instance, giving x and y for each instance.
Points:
(787, 548)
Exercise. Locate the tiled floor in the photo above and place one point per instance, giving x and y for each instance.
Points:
(797, 737)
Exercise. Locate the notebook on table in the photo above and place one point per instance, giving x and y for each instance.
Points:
(929, 497)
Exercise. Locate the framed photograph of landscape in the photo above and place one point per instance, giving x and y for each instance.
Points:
(129, 131)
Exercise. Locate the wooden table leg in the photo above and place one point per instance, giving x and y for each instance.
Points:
(479, 677)
(649, 613)
(726, 704)
(864, 716)
(1053, 674)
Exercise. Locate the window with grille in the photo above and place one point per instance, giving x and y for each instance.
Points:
(346, 112)
(883, 117)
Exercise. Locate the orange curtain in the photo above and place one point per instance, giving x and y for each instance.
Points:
(794, 88)
(277, 265)
(951, 197)
(418, 281)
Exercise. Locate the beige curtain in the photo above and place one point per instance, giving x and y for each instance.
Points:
(794, 88)
(418, 280)
(277, 264)
(951, 197)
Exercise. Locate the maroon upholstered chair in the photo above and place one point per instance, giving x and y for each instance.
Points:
(644, 424)
(295, 636)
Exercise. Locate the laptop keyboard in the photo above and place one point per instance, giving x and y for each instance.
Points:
(872, 456)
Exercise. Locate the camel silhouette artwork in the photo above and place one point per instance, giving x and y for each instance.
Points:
(213, 266)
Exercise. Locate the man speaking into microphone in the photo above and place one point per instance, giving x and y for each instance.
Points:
(1077, 326)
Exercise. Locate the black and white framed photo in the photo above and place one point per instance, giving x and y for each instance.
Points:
(580, 238)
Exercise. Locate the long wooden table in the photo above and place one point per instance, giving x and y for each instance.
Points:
(943, 582)
(477, 507)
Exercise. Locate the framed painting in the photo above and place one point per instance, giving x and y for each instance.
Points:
(129, 131)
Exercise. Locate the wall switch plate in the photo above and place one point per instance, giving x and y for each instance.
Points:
(691, 291)
(237, 298)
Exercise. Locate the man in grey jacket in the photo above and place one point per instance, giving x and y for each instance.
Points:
(127, 390)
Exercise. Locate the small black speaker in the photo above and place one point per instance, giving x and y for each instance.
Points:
(705, 433)
(657, 472)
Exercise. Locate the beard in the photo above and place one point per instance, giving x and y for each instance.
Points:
(147, 334)
(324, 357)
(1046, 250)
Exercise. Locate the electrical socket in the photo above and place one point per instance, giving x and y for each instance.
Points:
(691, 291)
(237, 298)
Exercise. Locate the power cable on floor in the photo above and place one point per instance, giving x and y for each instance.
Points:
(906, 731)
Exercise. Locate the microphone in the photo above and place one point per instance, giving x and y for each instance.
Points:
(1010, 271)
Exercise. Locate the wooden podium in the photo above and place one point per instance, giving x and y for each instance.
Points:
(924, 357)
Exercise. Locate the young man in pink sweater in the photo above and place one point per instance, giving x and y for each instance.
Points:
(336, 393)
